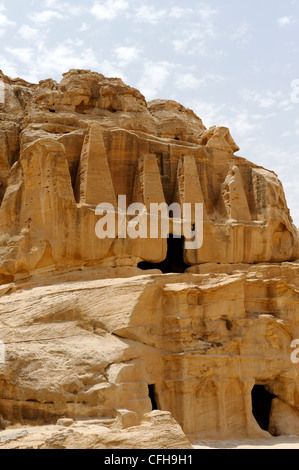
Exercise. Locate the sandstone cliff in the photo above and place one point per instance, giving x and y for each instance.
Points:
(93, 326)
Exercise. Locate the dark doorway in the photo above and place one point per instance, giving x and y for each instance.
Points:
(261, 405)
(152, 395)
(174, 261)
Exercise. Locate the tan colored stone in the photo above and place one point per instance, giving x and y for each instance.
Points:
(219, 138)
(176, 122)
(245, 212)
(65, 422)
(188, 189)
(94, 184)
(158, 432)
(126, 419)
(88, 334)
(197, 338)
(284, 420)
(234, 197)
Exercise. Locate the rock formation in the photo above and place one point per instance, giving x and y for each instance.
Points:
(93, 326)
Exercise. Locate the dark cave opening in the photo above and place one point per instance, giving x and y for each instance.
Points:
(111, 109)
(261, 405)
(174, 261)
(152, 396)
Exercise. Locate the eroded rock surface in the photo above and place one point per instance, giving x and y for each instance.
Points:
(87, 332)
(156, 430)
(67, 147)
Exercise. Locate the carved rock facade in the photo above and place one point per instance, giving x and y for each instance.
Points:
(86, 331)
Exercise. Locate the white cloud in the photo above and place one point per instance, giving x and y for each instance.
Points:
(285, 105)
(206, 12)
(27, 32)
(192, 44)
(68, 8)
(188, 80)
(180, 44)
(260, 117)
(23, 54)
(50, 3)
(238, 121)
(264, 101)
(286, 134)
(286, 20)
(209, 112)
(8, 67)
(214, 77)
(45, 16)
(65, 57)
(256, 67)
(240, 125)
(74, 42)
(178, 12)
(149, 14)
(83, 27)
(73, 10)
(195, 38)
(126, 54)
(267, 99)
(109, 10)
(72, 54)
(153, 78)
(45, 62)
(241, 34)
(4, 21)
(110, 69)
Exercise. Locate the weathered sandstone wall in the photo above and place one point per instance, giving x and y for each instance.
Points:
(87, 332)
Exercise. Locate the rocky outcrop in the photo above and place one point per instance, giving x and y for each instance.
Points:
(156, 430)
(94, 326)
(88, 348)
(96, 133)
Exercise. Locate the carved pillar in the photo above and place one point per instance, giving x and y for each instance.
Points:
(221, 386)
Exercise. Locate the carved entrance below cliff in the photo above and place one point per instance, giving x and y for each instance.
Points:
(152, 396)
(174, 261)
(261, 405)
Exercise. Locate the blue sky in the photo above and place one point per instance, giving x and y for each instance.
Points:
(232, 61)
